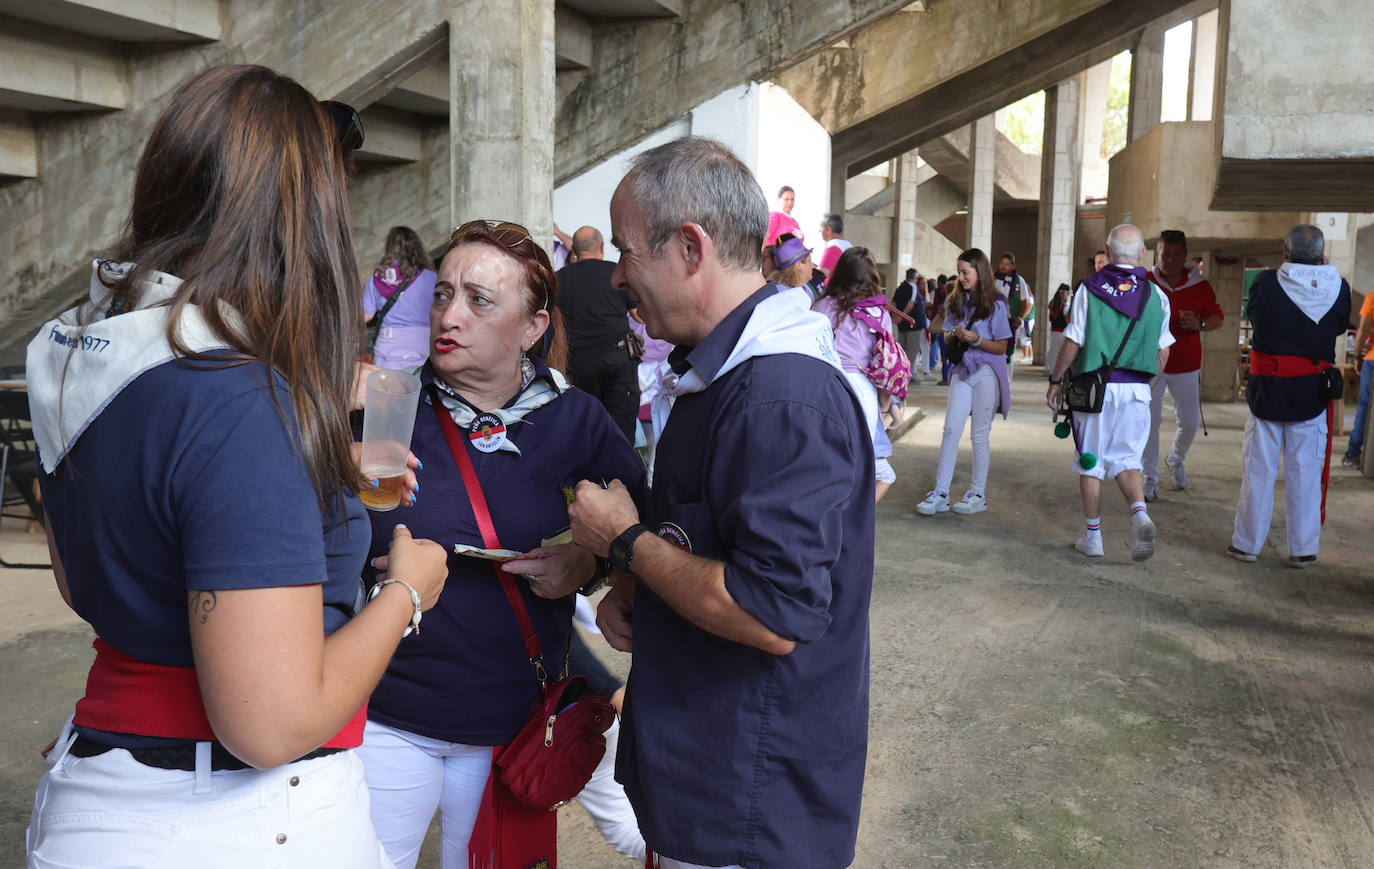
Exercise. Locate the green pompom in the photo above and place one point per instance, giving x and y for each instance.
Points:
(1087, 461)
(1061, 430)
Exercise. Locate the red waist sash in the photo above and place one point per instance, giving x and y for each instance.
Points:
(1281, 365)
(126, 695)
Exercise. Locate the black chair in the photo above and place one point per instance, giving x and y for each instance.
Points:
(18, 464)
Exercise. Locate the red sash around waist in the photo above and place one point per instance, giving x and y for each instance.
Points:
(1282, 365)
(126, 695)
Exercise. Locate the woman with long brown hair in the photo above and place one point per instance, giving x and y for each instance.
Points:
(977, 330)
(202, 504)
(493, 402)
(853, 299)
(397, 299)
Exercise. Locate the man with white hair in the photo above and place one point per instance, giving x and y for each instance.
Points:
(746, 596)
(1297, 312)
(1119, 326)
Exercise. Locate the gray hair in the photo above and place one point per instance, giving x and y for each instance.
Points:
(1305, 244)
(1125, 242)
(699, 180)
(835, 222)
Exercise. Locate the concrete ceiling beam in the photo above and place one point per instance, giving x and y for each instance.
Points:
(424, 93)
(648, 74)
(43, 70)
(390, 136)
(981, 55)
(124, 20)
(18, 146)
(623, 10)
(572, 39)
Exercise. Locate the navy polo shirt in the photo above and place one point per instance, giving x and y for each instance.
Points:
(466, 677)
(731, 755)
(1282, 328)
(192, 479)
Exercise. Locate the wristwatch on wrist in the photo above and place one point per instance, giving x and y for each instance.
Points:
(603, 573)
(622, 553)
(415, 599)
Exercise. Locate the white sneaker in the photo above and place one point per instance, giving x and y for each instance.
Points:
(1176, 468)
(1151, 491)
(934, 503)
(971, 503)
(1142, 537)
(1091, 548)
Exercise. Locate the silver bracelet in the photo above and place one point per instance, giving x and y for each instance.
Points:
(414, 598)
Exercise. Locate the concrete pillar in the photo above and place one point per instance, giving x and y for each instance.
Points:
(1093, 114)
(1204, 66)
(1220, 348)
(839, 177)
(1202, 83)
(501, 78)
(904, 218)
(1147, 83)
(982, 170)
(1061, 165)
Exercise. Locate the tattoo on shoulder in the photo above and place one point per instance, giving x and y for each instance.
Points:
(203, 603)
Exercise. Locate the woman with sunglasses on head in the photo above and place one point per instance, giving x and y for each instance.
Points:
(201, 495)
(492, 399)
(978, 327)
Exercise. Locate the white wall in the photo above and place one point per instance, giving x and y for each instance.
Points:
(586, 199)
(793, 150)
(763, 125)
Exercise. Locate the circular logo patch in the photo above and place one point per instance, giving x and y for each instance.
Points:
(676, 536)
(487, 432)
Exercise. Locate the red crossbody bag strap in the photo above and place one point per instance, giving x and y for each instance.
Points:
(488, 530)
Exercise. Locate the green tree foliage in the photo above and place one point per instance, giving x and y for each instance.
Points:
(1023, 122)
(1118, 105)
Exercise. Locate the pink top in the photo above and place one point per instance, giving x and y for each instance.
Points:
(778, 223)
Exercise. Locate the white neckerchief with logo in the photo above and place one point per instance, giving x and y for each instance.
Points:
(1312, 288)
(781, 323)
(74, 372)
(535, 392)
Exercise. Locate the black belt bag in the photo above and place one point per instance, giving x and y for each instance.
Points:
(1331, 384)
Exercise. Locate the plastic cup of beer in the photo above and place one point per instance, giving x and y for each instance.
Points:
(388, 421)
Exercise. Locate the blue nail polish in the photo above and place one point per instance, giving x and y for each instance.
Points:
(373, 481)
(419, 465)
(417, 487)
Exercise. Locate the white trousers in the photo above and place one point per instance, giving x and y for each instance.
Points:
(604, 799)
(410, 777)
(922, 361)
(112, 811)
(975, 397)
(1117, 434)
(1302, 446)
(1186, 392)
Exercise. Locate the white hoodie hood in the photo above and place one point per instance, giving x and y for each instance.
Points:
(1191, 275)
(781, 323)
(1314, 289)
(74, 373)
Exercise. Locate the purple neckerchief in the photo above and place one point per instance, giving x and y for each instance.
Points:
(1108, 284)
(382, 278)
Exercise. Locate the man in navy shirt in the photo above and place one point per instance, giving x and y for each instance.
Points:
(1297, 311)
(745, 589)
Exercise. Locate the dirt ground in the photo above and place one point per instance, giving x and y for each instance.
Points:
(1029, 707)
